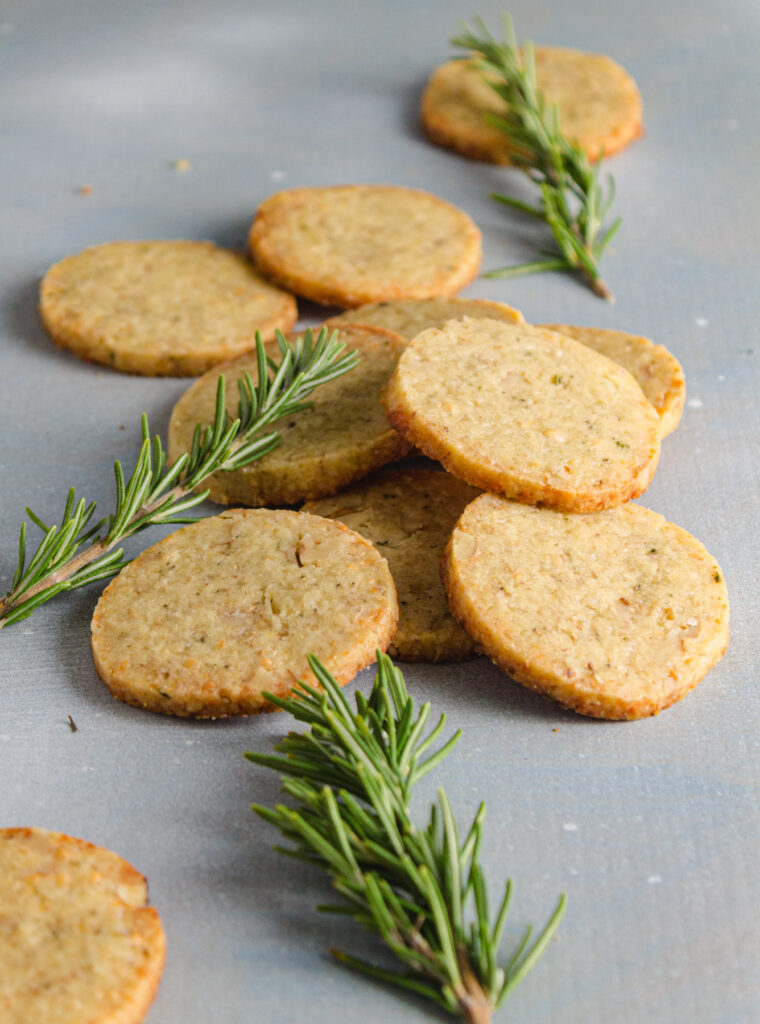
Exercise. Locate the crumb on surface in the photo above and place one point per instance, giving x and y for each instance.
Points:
(181, 165)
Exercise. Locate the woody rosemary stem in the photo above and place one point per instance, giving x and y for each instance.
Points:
(475, 1006)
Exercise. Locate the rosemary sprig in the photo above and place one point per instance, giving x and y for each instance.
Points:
(75, 553)
(573, 203)
(422, 890)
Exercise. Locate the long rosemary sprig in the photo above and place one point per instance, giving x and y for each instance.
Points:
(422, 890)
(573, 203)
(75, 553)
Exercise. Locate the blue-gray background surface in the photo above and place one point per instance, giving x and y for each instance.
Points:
(650, 827)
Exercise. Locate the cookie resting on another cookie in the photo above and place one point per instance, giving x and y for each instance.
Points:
(526, 412)
(657, 372)
(615, 614)
(341, 438)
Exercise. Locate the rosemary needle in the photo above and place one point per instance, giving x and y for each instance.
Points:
(75, 553)
(422, 890)
(572, 202)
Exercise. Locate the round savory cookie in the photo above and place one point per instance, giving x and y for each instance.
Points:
(615, 614)
(527, 412)
(341, 438)
(599, 104)
(78, 942)
(205, 621)
(408, 317)
(161, 308)
(656, 370)
(346, 245)
(409, 514)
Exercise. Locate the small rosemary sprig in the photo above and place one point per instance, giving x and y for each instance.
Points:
(573, 203)
(76, 553)
(423, 891)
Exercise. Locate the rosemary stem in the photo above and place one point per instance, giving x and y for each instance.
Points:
(475, 1012)
(598, 287)
(101, 547)
(65, 572)
(427, 901)
(573, 203)
(72, 555)
(474, 1004)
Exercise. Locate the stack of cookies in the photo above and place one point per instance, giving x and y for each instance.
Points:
(576, 593)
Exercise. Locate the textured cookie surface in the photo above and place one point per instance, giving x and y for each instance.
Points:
(599, 104)
(408, 317)
(350, 244)
(527, 412)
(161, 308)
(409, 514)
(204, 621)
(341, 438)
(78, 942)
(656, 370)
(615, 614)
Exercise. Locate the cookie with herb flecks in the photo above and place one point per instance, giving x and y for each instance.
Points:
(340, 438)
(599, 104)
(655, 369)
(409, 514)
(78, 942)
(346, 245)
(615, 614)
(408, 317)
(526, 412)
(204, 622)
(161, 308)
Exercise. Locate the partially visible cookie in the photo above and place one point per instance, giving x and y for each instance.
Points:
(205, 621)
(657, 371)
(408, 317)
(615, 614)
(346, 245)
(341, 438)
(599, 104)
(527, 412)
(78, 942)
(161, 308)
(409, 514)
